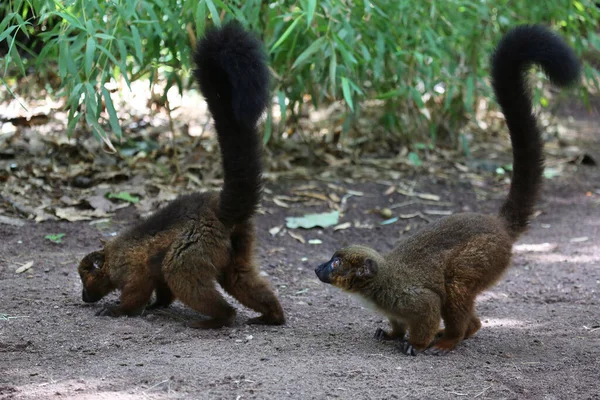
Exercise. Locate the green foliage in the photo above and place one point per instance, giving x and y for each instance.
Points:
(124, 196)
(426, 60)
(55, 237)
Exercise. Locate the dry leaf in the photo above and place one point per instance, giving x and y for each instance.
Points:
(408, 216)
(427, 196)
(390, 190)
(537, 248)
(297, 236)
(280, 203)
(339, 227)
(11, 221)
(24, 267)
(355, 193)
(438, 212)
(334, 197)
(73, 214)
(461, 167)
(275, 230)
(580, 239)
(313, 195)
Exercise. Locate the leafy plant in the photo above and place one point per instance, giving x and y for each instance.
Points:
(124, 196)
(55, 237)
(427, 61)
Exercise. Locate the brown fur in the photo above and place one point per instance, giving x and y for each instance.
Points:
(200, 240)
(438, 272)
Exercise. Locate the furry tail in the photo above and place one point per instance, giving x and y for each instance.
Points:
(233, 76)
(518, 50)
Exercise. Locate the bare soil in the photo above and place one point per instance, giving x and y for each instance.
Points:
(540, 337)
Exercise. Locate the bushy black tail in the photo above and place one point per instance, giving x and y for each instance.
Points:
(518, 50)
(234, 79)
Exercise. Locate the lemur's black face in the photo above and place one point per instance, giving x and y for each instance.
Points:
(348, 269)
(94, 277)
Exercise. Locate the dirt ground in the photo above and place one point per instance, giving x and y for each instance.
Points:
(540, 337)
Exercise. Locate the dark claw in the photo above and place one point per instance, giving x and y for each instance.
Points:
(380, 334)
(434, 351)
(157, 305)
(107, 312)
(406, 348)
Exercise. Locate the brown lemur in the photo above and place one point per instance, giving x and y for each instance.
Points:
(437, 272)
(198, 240)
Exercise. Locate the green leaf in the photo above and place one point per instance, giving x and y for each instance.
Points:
(469, 94)
(224, 7)
(137, 43)
(346, 92)
(309, 221)
(416, 96)
(389, 221)
(200, 18)
(282, 107)
(90, 48)
(332, 71)
(214, 13)
(268, 126)
(390, 94)
(72, 20)
(287, 33)
(414, 159)
(63, 58)
(123, 196)
(112, 113)
(310, 11)
(550, 173)
(7, 32)
(55, 237)
(310, 50)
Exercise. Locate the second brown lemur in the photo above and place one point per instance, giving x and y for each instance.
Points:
(199, 240)
(438, 272)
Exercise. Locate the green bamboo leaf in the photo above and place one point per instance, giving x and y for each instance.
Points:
(104, 36)
(91, 102)
(200, 18)
(112, 113)
(213, 13)
(416, 96)
(137, 43)
(310, 12)
(347, 94)
(90, 49)
(390, 94)
(7, 32)
(287, 33)
(332, 71)
(310, 50)
(6, 21)
(224, 7)
(74, 117)
(123, 59)
(282, 107)
(71, 19)
(268, 126)
(108, 54)
(63, 58)
(469, 93)
(448, 100)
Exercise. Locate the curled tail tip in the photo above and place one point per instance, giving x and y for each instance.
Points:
(536, 44)
(231, 70)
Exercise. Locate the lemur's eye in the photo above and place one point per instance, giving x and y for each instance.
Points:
(335, 263)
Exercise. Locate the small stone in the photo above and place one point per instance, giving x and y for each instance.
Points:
(386, 213)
